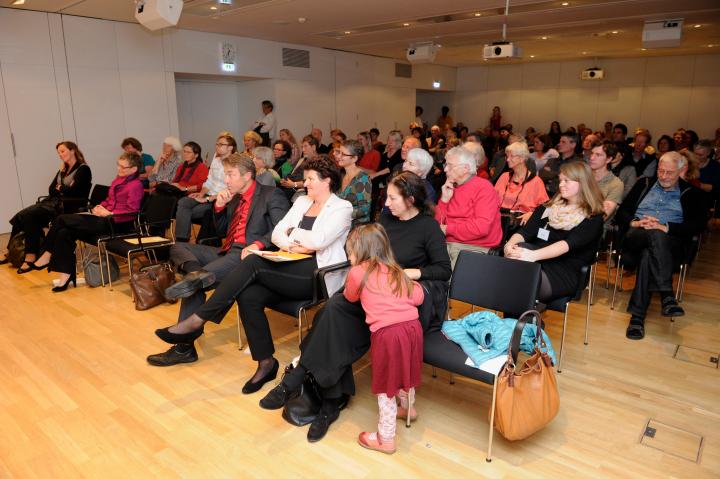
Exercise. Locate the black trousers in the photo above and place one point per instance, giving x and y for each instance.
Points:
(64, 233)
(256, 284)
(31, 221)
(654, 273)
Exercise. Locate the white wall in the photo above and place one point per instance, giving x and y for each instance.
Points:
(658, 93)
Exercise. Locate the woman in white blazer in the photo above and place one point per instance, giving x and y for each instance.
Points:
(316, 225)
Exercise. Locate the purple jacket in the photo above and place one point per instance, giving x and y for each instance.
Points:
(125, 196)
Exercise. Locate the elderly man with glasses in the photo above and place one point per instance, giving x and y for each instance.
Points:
(660, 215)
(469, 209)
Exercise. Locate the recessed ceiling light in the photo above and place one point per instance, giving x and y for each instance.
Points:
(711, 45)
(584, 53)
(614, 31)
(543, 38)
(347, 32)
(643, 49)
(565, 4)
(406, 24)
(477, 14)
(213, 7)
(532, 56)
(302, 19)
(19, 2)
(697, 26)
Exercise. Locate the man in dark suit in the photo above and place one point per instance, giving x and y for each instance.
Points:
(660, 215)
(245, 213)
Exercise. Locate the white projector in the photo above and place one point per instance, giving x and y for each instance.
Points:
(501, 50)
(157, 14)
(422, 52)
(662, 34)
(592, 74)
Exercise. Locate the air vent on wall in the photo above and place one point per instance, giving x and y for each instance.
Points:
(295, 58)
(403, 70)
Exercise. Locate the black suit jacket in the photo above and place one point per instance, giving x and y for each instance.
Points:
(268, 207)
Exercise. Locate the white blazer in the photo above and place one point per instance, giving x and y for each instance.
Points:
(327, 237)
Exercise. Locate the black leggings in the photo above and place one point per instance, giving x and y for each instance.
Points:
(257, 283)
(31, 221)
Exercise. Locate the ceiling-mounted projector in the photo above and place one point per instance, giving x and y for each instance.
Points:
(662, 34)
(594, 73)
(501, 50)
(157, 14)
(422, 52)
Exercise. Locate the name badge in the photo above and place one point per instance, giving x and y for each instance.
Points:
(543, 234)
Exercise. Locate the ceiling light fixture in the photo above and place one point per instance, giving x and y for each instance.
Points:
(436, 84)
(532, 56)
(19, 2)
(478, 14)
(213, 7)
(710, 45)
(543, 38)
(565, 4)
(697, 26)
(347, 32)
(406, 24)
(584, 53)
(614, 31)
(643, 49)
(302, 19)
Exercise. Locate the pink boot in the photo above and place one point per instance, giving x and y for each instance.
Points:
(371, 440)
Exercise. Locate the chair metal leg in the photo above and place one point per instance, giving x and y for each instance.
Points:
(587, 314)
(301, 313)
(618, 279)
(562, 340)
(609, 256)
(591, 283)
(491, 432)
(452, 378)
(434, 372)
(240, 342)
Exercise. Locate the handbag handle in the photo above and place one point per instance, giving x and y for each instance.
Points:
(514, 346)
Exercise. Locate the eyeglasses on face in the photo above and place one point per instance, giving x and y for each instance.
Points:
(222, 144)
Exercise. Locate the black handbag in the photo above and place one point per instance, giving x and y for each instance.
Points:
(303, 408)
(168, 189)
(16, 250)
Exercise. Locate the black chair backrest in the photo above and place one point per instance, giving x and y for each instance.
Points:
(99, 194)
(496, 283)
(159, 209)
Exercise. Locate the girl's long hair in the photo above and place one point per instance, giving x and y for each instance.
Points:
(591, 198)
(371, 247)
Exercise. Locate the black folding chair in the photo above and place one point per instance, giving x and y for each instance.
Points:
(490, 282)
(157, 212)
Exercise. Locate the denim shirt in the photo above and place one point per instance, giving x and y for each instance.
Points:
(663, 205)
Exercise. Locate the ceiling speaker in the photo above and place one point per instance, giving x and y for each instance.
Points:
(157, 14)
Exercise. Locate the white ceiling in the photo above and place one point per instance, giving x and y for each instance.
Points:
(583, 28)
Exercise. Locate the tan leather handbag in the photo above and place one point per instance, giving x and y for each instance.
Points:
(527, 399)
(149, 284)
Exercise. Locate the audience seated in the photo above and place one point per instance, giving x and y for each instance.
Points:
(356, 186)
(420, 162)
(119, 209)
(251, 140)
(245, 213)
(167, 163)
(320, 148)
(316, 225)
(563, 235)
(622, 166)
(370, 161)
(645, 162)
(657, 217)
(287, 136)
(549, 173)
(284, 163)
(619, 133)
(479, 153)
(339, 336)
(469, 209)
(543, 151)
(435, 142)
(198, 205)
(709, 167)
(68, 192)
(192, 172)
(133, 145)
(292, 183)
(520, 191)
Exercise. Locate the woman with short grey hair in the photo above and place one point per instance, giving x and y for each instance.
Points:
(168, 162)
(264, 161)
(420, 162)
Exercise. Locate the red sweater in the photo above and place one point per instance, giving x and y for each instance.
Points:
(197, 178)
(382, 308)
(472, 215)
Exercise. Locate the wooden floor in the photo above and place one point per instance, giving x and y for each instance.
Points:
(77, 398)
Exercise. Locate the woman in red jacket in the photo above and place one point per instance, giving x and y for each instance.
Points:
(192, 173)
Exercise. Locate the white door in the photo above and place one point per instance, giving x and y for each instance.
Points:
(10, 201)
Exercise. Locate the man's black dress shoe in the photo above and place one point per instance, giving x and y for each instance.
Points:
(190, 284)
(178, 338)
(178, 354)
(251, 387)
(277, 397)
(319, 427)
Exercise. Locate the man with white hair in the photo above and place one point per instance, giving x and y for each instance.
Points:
(660, 216)
(420, 162)
(469, 209)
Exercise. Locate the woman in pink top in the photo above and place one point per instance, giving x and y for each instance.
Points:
(519, 190)
(390, 300)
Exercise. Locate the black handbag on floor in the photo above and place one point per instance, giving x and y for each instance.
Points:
(303, 408)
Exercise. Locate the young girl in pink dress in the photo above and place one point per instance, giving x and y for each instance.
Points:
(390, 300)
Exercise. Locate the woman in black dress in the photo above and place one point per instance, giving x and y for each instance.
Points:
(563, 234)
(339, 335)
(67, 193)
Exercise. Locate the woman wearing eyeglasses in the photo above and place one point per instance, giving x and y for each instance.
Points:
(198, 205)
(116, 214)
(356, 186)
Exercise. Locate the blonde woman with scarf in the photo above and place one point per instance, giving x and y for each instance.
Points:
(563, 234)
